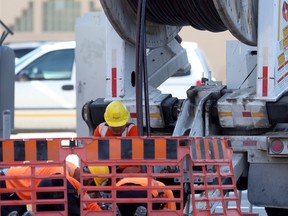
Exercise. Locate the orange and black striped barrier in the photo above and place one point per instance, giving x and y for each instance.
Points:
(190, 167)
(29, 150)
(132, 149)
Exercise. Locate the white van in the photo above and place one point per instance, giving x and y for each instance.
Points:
(45, 94)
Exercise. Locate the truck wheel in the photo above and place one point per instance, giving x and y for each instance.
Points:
(242, 183)
(276, 211)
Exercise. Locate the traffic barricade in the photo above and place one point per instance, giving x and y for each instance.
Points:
(22, 175)
(217, 193)
(197, 171)
(176, 161)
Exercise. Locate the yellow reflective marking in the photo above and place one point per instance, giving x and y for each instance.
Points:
(257, 114)
(225, 114)
(281, 60)
(155, 115)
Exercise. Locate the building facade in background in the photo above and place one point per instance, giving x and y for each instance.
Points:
(41, 20)
(32, 20)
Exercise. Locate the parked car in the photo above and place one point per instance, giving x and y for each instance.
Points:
(22, 48)
(45, 94)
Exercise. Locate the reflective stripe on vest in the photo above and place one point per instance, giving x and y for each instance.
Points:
(103, 128)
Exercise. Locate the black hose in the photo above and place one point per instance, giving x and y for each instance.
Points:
(145, 75)
(141, 70)
(139, 59)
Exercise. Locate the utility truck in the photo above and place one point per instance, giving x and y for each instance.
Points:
(250, 110)
(220, 139)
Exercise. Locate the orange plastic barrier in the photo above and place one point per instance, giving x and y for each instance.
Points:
(213, 157)
(198, 170)
(32, 155)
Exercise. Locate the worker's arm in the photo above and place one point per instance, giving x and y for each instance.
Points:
(91, 206)
(169, 205)
(72, 169)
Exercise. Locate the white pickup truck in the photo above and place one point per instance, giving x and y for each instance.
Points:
(45, 94)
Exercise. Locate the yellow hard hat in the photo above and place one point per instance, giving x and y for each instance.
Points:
(116, 114)
(99, 170)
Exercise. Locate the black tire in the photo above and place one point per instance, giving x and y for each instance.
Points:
(276, 211)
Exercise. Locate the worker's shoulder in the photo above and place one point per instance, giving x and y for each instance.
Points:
(132, 129)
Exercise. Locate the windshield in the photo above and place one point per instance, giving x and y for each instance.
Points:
(27, 56)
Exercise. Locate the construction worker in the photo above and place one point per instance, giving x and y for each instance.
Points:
(74, 171)
(73, 188)
(73, 197)
(116, 122)
(44, 171)
(139, 209)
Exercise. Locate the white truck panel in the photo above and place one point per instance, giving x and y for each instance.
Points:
(90, 54)
(270, 80)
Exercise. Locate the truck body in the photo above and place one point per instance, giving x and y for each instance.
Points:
(250, 109)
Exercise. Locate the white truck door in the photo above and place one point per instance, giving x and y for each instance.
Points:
(45, 92)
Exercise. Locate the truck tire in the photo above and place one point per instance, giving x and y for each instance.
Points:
(276, 211)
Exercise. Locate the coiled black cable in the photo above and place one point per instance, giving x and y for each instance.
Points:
(200, 14)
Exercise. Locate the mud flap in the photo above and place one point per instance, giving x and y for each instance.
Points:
(267, 185)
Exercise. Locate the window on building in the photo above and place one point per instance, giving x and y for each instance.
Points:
(60, 15)
(95, 6)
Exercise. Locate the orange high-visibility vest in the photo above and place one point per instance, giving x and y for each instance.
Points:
(70, 168)
(25, 183)
(102, 130)
(144, 182)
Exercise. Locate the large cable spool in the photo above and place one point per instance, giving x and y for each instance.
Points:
(165, 18)
(240, 18)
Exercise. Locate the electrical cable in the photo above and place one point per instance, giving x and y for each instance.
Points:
(200, 14)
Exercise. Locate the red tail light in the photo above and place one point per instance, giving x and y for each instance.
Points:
(198, 83)
(277, 146)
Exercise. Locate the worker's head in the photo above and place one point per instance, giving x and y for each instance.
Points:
(116, 116)
(97, 170)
